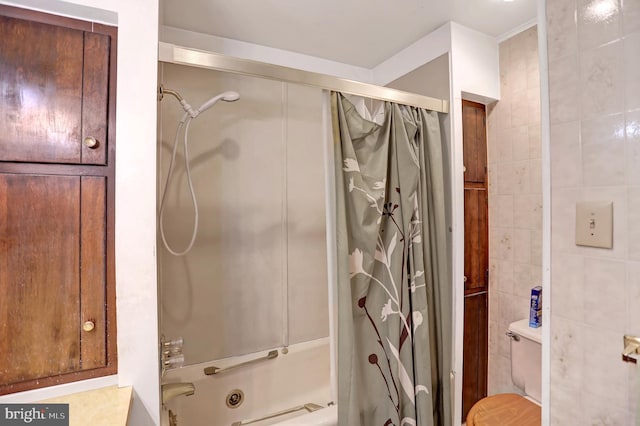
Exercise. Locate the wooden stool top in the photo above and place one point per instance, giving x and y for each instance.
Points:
(507, 409)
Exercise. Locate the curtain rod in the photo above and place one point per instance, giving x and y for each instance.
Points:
(186, 56)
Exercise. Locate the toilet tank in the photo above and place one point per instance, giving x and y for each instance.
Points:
(526, 358)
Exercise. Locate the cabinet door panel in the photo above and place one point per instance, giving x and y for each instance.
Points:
(476, 247)
(41, 97)
(95, 96)
(474, 369)
(39, 280)
(92, 271)
(474, 142)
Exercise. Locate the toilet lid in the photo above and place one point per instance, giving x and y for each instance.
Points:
(504, 410)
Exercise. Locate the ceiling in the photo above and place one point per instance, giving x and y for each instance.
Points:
(356, 32)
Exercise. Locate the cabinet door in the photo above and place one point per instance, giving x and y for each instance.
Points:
(54, 93)
(476, 247)
(474, 368)
(474, 139)
(52, 276)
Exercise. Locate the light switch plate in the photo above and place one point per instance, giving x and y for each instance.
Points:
(594, 224)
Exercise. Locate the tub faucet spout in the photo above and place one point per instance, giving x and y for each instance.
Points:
(171, 390)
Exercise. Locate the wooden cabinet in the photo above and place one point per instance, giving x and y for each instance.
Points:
(57, 162)
(476, 256)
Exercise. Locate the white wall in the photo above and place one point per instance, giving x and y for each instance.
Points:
(430, 79)
(475, 75)
(270, 55)
(136, 288)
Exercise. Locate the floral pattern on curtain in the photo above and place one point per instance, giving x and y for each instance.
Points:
(394, 314)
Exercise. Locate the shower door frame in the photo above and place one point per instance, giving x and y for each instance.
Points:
(171, 53)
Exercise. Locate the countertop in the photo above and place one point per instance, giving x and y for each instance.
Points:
(100, 407)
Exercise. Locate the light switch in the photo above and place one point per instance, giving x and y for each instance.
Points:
(594, 224)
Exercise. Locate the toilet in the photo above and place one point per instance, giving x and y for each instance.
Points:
(526, 373)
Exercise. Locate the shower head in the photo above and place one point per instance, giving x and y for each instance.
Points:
(226, 96)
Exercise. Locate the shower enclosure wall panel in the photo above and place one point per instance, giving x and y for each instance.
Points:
(256, 276)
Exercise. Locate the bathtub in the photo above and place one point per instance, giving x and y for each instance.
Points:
(295, 378)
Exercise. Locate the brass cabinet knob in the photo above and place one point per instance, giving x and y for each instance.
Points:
(90, 142)
(88, 326)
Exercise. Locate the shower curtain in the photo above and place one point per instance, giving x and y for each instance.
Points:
(394, 294)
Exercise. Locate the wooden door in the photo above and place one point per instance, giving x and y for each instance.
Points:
(57, 193)
(476, 257)
(52, 275)
(55, 93)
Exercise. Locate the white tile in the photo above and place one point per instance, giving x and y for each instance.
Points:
(604, 293)
(567, 353)
(503, 111)
(599, 408)
(506, 178)
(536, 248)
(535, 176)
(604, 376)
(562, 30)
(492, 176)
(602, 80)
(504, 146)
(504, 214)
(527, 211)
(633, 299)
(533, 72)
(505, 244)
(505, 277)
(519, 108)
(632, 127)
(566, 404)
(563, 212)
(494, 246)
(602, 129)
(566, 159)
(634, 223)
(533, 105)
(564, 95)
(522, 208)
(632, 69)
(568, 286)
(534, 141)
(522, 246)
(598, 22)
(603, 150)
(523, 280)
(602, 164)
(521, 174)
(493, 274)
(520, 142)
(631, 16)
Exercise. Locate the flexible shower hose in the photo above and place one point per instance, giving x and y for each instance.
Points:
(185, 119)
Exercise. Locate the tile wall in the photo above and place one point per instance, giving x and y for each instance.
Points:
(515, 200)
(594, 75)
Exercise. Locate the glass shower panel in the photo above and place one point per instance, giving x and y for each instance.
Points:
(226, 296)
(306, 242)
(258, 267)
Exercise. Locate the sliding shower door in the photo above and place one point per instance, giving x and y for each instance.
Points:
(256, 278)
